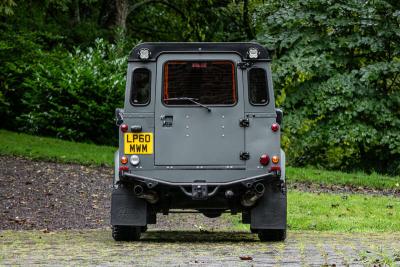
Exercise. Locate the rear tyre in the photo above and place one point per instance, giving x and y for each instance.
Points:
(126, 233)
(272, 235)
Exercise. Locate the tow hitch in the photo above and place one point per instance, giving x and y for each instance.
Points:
(199, 191)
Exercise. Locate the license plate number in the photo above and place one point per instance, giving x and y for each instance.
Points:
(138, 143)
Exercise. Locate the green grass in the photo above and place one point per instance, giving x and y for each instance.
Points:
(64, 151)
(52, 149)
(373, 180)
(340, 213)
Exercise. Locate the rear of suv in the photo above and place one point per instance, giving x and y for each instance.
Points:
(199, 131)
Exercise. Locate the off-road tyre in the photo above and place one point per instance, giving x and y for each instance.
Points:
(273, 235)
(126, 233)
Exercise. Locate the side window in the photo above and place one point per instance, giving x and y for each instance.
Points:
(140, 88)
(258, 88)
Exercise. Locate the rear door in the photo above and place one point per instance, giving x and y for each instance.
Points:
(187, 133)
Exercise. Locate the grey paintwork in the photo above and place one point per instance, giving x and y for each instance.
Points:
(205, 153)
(199, 137)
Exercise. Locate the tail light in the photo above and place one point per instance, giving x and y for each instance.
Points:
(124, 127)
(275, 159)
(123, 168)
(264, 159)
(275, 127)
(124, 160)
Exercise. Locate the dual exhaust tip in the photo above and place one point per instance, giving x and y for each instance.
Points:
(248, 199)
(252, 195)
(151, 196)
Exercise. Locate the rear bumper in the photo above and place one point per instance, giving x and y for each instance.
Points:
(200, 189)
(127, 176)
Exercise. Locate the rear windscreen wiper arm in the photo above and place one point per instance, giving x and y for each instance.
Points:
(193, 100)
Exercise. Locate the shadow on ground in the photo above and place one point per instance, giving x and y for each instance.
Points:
(198, 236)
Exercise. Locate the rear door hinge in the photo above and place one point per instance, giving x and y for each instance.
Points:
(244, 155)
(244, 122)
(245, 65)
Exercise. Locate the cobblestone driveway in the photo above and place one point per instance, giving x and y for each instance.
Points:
(169, 248)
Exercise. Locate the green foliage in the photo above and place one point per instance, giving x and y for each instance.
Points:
(6, 7)
(337, 78)
(73, 95)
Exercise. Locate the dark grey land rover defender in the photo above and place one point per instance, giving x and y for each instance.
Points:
(199, 131)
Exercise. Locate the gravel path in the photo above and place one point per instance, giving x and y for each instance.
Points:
(45, 195)
(183, 248)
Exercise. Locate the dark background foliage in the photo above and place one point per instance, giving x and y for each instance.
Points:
(336, 68)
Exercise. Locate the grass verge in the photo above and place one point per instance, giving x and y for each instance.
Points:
(51, 149)
(373, 180)
(339, 213)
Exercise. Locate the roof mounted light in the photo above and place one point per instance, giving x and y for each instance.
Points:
(253, 53)
(144, 54)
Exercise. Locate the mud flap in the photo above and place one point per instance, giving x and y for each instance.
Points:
(126, 209)
(270, 210)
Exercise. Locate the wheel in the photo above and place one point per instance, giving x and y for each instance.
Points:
(126, 233)
(253, 231)
(272, 234)
(143, 229)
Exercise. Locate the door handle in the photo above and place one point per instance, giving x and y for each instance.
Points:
(167, 120)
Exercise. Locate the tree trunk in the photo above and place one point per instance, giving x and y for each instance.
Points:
(75, 12)
(121, 13)
(246, 23)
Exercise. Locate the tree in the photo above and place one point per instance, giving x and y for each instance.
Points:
(337, 77)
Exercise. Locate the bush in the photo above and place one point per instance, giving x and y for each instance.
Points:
(73, 95)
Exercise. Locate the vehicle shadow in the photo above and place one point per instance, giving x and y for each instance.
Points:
(197, 236)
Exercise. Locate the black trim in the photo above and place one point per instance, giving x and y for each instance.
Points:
(131, 89)
(208, 105)
(241, 49)
(266, 83)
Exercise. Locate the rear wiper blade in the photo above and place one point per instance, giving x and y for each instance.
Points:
(193, 100)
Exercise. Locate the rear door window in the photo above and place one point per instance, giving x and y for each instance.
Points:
(258, 87)
(140, 90)
(208, 82)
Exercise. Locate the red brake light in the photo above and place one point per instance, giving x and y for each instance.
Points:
(275, 127)
(124, 127)
(264, 159)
